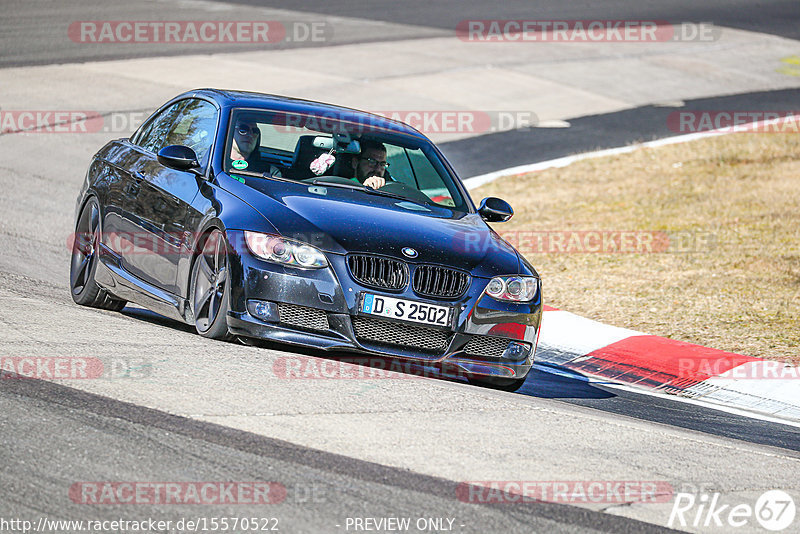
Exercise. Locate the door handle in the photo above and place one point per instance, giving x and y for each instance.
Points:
(133, 186)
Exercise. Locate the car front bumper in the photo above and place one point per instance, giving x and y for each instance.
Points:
(320, 309)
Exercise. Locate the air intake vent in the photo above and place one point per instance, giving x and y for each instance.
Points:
(303, 317)
(379, 272)
(488, 346)
(440, 282)
(401, 335)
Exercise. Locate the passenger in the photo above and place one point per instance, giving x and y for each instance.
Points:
(244, 150)
(246, 137)
(370, 165)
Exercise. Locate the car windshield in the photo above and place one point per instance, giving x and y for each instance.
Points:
(307, 148)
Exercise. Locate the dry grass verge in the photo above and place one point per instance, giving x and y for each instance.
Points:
(729, 275)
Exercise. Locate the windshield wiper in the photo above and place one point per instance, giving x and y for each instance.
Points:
(343, 185)
(265, 175)
(382, 193)
(366, 189)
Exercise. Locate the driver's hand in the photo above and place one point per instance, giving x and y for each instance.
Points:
(375, 182)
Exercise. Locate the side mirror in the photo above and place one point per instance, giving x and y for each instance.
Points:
(179, 157)
(495, 210)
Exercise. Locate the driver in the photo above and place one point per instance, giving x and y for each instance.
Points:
(371, 164)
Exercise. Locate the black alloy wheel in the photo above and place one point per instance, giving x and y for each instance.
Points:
(85, 250)
(209, 287)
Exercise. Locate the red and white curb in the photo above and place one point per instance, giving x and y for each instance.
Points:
(665, 365)
(656, 363)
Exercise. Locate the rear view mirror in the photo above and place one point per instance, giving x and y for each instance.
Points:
(323, 142)
(495, 210)
(346, 145)
(342, 142)
(178, 157)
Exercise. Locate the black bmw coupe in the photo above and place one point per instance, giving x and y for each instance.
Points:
(267, 217)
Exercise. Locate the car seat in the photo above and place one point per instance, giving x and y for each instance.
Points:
(304, 153)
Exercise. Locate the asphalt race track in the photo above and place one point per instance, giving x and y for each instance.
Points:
(159, 446)
(33, 30)
(177, 407)
(595, 132)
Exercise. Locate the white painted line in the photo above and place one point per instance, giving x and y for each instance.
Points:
(744, 412)
(668, 396)
(767, 386)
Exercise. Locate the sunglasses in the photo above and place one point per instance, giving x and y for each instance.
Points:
(244, 130)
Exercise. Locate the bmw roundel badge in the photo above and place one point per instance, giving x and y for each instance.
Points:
(409, 252)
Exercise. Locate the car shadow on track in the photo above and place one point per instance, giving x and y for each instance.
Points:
(549, 385)
(143, 314)
(545, 382)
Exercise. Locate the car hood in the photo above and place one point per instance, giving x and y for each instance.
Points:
(342, 221)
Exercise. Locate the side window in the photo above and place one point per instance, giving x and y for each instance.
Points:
(154, 132)
(413, 168)
(399, 166)
(426, 175)
(194, 127)
(275, 138)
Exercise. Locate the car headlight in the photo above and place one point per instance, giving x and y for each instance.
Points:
(277, 249)
(513, 288)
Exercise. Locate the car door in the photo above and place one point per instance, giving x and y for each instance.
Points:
(112, 170)
(164, 194)
(122, 227)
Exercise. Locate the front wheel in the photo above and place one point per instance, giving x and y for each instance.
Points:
(209, 288)
(83, 263)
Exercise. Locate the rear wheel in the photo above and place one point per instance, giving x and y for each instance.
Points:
(83, 264)
(210, 289)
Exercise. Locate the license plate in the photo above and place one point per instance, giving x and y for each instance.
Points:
(406, 310)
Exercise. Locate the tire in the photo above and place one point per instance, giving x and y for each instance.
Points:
(83, 263)
(502, 384)
(209, 291)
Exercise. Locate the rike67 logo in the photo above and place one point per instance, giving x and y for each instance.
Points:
(774, 510)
